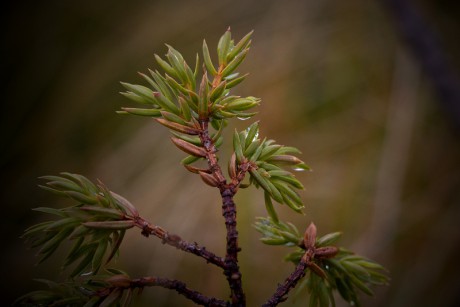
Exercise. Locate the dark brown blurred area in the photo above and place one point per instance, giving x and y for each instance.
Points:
(338, 79)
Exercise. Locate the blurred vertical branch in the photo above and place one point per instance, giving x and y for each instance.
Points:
(394, 158)
(424, 44)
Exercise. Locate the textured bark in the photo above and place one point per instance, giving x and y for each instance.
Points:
(179, 286)
(227, 191)
(176, 241)
(283, 289)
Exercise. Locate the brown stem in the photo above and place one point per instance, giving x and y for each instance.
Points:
(211, 150)
(283, 289)
(176, 241)
(179, 286)
(195, 296)
(227, 191)
(232, 270)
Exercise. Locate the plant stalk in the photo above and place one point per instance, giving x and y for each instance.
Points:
(227, 191)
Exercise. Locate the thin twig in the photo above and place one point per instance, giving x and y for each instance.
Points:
(176, 241)
(177, 285)
(283, 289)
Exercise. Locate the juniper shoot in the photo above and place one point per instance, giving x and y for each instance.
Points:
(196, 104)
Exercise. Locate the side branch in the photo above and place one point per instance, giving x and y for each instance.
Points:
(283, 289)
(176, 241)
(121, 282)
(307, 261)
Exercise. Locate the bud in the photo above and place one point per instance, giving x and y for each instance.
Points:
(309, 238)
(326, 252)
(119, 281)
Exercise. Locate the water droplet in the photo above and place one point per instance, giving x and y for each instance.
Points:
(327, 267)
(243, 118)
(256, 136)
(298, 169)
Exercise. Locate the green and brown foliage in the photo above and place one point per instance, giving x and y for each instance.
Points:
(195, 104)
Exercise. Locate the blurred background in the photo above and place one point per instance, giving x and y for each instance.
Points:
(366, 89)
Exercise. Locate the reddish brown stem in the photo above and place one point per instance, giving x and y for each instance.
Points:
(179, 286)
(227, 191)
(176, 241)
(193, 295)
(211, 157)
(232, 270)
(283, 289)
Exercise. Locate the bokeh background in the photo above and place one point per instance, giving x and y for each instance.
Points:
(369, 98)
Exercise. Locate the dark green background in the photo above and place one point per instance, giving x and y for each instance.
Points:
(336, 79)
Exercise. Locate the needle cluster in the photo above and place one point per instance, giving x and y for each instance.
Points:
(195, 104)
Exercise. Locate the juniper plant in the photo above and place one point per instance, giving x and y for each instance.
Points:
(196, 106)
